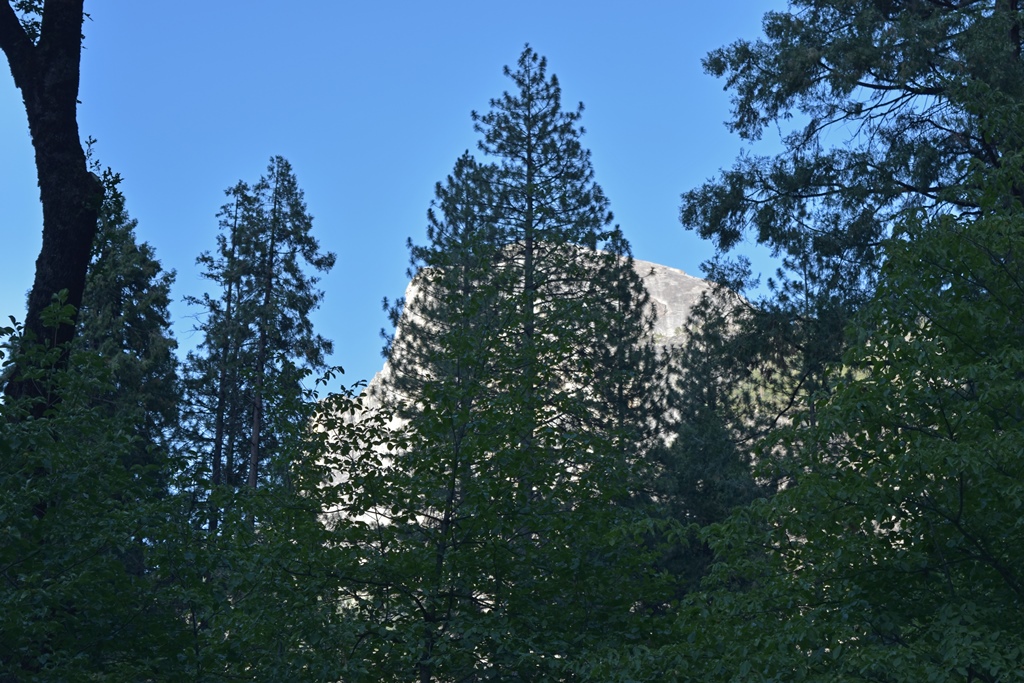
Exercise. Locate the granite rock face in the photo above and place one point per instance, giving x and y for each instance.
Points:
(673, 292)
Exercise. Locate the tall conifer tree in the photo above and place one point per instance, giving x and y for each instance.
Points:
(125, 319)
(254, 581)
(257, 334)
(521, 359)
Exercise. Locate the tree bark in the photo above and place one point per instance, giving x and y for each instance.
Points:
(261, 347)
(47, 74)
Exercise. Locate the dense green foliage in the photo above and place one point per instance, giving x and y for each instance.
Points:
(112, 568)
(76, 602)
(260, 594)
(822, 483)
(523, 363)
(83, 488)
(125, 320)
(890, 551)
(106, 579)
(893, 553)
(888, 106)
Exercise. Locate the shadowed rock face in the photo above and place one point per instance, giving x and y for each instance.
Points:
(673, 295)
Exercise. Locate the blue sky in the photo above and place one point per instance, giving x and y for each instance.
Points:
(370, 102)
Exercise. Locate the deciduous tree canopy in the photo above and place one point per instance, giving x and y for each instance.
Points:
(888, 553)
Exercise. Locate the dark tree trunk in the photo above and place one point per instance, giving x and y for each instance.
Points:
(47, 73)
(257, 412)
(261, 348)
(225, 375)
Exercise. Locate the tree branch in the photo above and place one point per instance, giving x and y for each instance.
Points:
(16, 45)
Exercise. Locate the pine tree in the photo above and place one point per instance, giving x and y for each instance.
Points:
(216, 414)
(522, 360)
(257, 335)
(125, 320)
(256, 581)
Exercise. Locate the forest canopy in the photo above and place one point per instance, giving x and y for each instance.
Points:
(819, 479)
